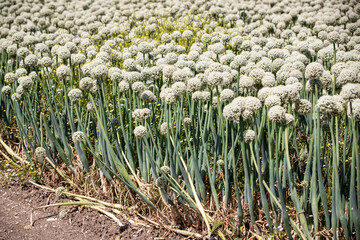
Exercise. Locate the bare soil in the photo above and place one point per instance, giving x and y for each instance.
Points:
(18, 200)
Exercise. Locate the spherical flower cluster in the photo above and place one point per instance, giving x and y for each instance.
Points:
(277, 114)
(90, 106)
(268, 81)
(99, 72)
(25, 82)
(187, 34)
(165, 170)
(257, 75)
(170, 98)
(350, 91)
(22, 52)
(178, 88)
(31, 60)
(75, 95)
(78, 59)
(345, 76)
(302, 107)
(145, 47)
(328, 105)
(164, 128)
(86, 84)
(248, 135)
(10, 77)
(15, 97)
(124, 86)
(6, 90)
(272, 100)
(138, 87)
(168, 71)
(140, 115)
(215, 79)
(161, 182)
(232, 112)
(226, 95)
(140, 131)
(217, 48)
(148, 96)
(353, 110)
(314, 71)
(130, 65)
(78, 137)
(187, 121)
(289, 119)
(246, 82)
(63, 72)
(40, 152)
(171, 58)
(252, 104)
(63, 53)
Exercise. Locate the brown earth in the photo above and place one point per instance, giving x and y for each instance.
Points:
(18, 200)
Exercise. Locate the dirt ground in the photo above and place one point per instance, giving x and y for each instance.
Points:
(18, 200)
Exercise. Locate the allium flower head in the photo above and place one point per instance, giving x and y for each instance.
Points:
(179, 88)
(6, 90)
(215, 79)
(165, 169)
(345, 76)
(277, 114)
(90, 106)
(353, 110)
(124, 86)
(171, 58)
(78, 59)
(140, 131)
(75, 95)
(217, 48)
(26, 82)
(252, 103)
(130, 65)
(99, 72)
(40, 152)
(248, 135)
(63, 53)
(302, 107)
(138, 87)
(163, 128)
(350, 91)
(289, 119)
(15, 96)
(20, 72)
(232, 112)
(63, 72)
(161, 182)
(78, 137)
(328, 105)
(314, 71)
(86, 84)
(148, 96)
(31, 60)
(10, 77)
(226, 95)
(140, 115)
(187, 34)
(272, 100)
(187, 121)
(145, 47)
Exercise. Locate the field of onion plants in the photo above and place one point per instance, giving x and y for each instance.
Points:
(222, 118)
